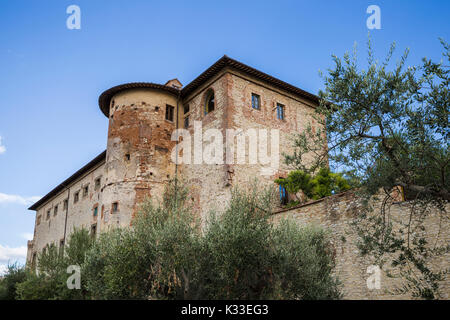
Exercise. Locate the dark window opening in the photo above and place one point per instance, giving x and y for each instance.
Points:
(76, 197)
(95, 212)
(186, 122)
(61, 247)
(55, 211)
(280, 111)
(48, 214)
(93, 230)
(256, 101)
(169, 112)
(97, 183)
(85, 191)
(283, 195)
(115, 207)
(209, 102)
(186, 108)
(66, 204)
(127, 157)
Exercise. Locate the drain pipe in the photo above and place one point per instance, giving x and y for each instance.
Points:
(176, 146)
(67, 214)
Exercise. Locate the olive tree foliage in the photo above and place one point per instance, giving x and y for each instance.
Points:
(152, 259)
(14, 275)
(48, 281)
(388, 126)
(238, 254)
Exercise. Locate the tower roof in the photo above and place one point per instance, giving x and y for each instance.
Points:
(219, 65)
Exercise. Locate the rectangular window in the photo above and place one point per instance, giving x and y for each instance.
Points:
(169, 112)
(76, 197)
(97, 183)
(61, 247)
(55, 211)
(256, 101)
(93, 230)
(186, 122)
(95, 211)
(186, 109)
(280, 111)
(66, 204)
(48, 214)
(283, 195)
(115, 207)
(85, 191)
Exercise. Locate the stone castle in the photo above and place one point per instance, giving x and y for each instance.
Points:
(138, 163)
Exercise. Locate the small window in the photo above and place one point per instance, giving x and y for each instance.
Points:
(280, 111)
(85, 191)
(127, 157)
(256, 101)
(209, 102)
(169, 112)
(76, 197)
(186, 122)
(97, 183)
(186, 108)
(55, 211)
(93, 230)
(48, 214)
(66, 204)
(115, 207)
(95, 211)
(283, 195)
(61, 247)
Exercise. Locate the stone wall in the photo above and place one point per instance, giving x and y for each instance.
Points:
(335, 214)
(51, 227)
(138, 151)
(211, 183)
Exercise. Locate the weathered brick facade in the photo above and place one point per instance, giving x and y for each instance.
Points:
(137, 162)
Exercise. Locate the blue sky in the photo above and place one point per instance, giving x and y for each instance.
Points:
(51, 77)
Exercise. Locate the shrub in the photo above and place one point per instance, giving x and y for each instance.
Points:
(323, 184)
(239, 254)
(8, 284)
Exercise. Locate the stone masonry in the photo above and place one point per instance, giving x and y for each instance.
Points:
(138, 163)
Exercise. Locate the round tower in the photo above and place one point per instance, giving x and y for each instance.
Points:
(142, 117)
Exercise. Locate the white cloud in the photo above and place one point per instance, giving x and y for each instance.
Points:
(2, 147)
(27, 236)
(12, 198)
(3, 269)
(11, 255)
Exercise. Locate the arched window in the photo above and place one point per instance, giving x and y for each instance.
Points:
(209, 101)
